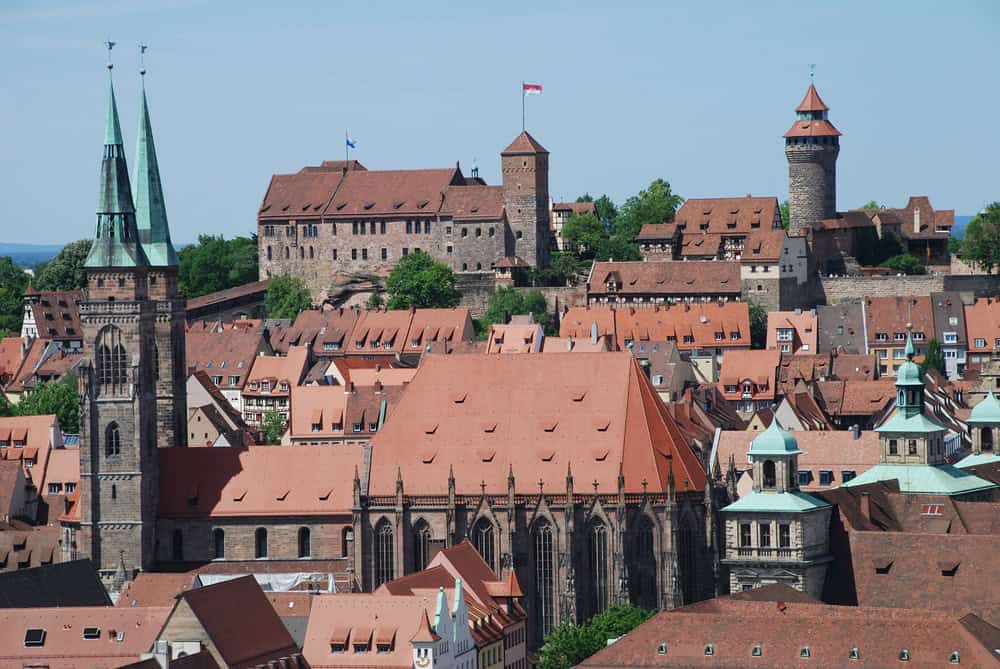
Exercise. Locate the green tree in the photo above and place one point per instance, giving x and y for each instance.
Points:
(569, 645)
(905, 263)
(655, 204)
(586, 197)
(981, 245)
(273, 427)
(506, 302)
(374, 301)
(58, 397)
(215, 263)
(934, 358)
(758, 325)
(872, 204)
(617, 249)
(954, 246)
(13, 281)
(286, 296)
(583, 234)
(65, 271)
(871, 250)
(607, 212)
(786, 216)
(564, 268)
(420, 281)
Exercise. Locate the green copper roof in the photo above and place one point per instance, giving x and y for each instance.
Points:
(924, 479)
(987, 411)
(908, 373)
(974, 459)
(916, 423)
(116, 242)
(777, 502)
(775, 440)
(150, 210)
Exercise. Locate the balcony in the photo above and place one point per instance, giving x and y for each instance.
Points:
(756, 553)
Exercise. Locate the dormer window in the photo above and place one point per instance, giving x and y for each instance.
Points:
(756, 651)
(360, 648)
(337, 648)
(357, 427)
(383, 648)
(855, 654)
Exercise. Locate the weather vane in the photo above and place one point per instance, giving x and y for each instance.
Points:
(812, 71)
(142, 59)
(110, 45)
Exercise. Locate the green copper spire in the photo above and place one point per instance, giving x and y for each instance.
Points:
(116, 243)
(150, 210)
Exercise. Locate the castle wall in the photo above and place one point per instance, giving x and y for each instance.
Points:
(842, 289)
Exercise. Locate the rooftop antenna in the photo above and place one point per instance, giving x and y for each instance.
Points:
(110, 45)
(142, 59)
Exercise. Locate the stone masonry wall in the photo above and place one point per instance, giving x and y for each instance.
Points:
(812, 184)
(841, 289)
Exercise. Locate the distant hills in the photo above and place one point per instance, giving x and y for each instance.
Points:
(29, 255)
(958, 230)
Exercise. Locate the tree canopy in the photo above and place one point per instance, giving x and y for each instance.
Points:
(934, 358)
(569, 645)
(786, 216)
(58, 397)
(656, 204)
(13, 281)
(273, 427)
(65, 271)
(872, 204)
(758, 325)
(286, 296)
(506, 302)
(420, 281)
(216, 263)
(981, 245)
(905, 263)
(583, 234)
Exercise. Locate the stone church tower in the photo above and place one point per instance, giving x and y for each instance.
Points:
(132, 384)
(525, 169)
(811, 147)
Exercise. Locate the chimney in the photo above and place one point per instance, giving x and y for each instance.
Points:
(856, 431)
(349, 388)
(798, 311)
(378, 387)
(866, 506)
(916, 219)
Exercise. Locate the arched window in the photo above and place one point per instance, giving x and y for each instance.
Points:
(112, 441)
(384, 566)
(260, 543)
(641, 561)
(688, 578)
(421, 545)
(286, 253)
(310, 253)
(986, 438)
(598, 555)
(544, 580)
(305, 547)
(769, 476)
(268, 252)
(482, 539)
(219, 543)
(178, 546)
(114, 491)
(346, 542)
(111, 359)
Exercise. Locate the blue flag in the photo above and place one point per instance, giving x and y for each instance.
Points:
(351, 144)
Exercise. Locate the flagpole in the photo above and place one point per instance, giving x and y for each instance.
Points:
(522, 106)
(347, 149)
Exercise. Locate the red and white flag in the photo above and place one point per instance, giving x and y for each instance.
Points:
(531, 89)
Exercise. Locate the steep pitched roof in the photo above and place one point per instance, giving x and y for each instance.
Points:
(480, 415)
(982, 320)
(665, 278)
(473, 203)
(224, 349)
(155, 588)
(56, 314)
(892, 315)
(729, 215)
(812, 101)
(64, 584)
(524, 144)
(150, 209)
(392, 192)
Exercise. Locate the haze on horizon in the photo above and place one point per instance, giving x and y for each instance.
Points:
(698, 94)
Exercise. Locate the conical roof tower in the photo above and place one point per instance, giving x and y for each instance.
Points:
(150, 209)
(116, 242)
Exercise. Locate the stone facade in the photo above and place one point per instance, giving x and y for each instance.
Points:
(844, 289)
(525, 169)
(812, 184)
(574, 553)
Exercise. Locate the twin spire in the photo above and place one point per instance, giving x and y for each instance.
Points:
(132, 228)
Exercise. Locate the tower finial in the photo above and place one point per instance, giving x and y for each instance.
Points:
(812, 72)
(142, 59)
(110, 45)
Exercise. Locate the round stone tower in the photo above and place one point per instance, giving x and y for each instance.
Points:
(811, 146)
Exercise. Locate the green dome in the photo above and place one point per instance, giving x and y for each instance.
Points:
(775, 440)
(908, 374)
(987, 411)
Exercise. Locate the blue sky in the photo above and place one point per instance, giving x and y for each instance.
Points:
(696, 93)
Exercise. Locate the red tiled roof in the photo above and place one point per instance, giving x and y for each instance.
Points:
(812, 102)
(392, 193)
(892, 315)
(473, 203)
(10, 357)
(702, 322)
(728, 215)
(224, 349)
(479, 415)
(982, 322)
(155, 589)
(524, 144)
(57, 314)
(758, 367)
(299, 196)
(288, 368)
(36, 433)
(804, 330)
(812, 129)
(576, 207)
(257, 481)
(257, 288)
(855, 398)
(666, 278)
(656, 232)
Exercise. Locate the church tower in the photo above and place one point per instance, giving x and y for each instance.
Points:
(811, 147)
(121, 313)
(168, 342)
(525, 169)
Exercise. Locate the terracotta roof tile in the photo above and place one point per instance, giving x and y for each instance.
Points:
(982, 320)
(576, 207)
(57, 314)
(392, 193)
(524, 144)
(804, 327)
(728, 215)
(155, 589)
(255, 288)
(892, 315)
(817, 128)
(473, 203)
(224, 349)
(665, 278)
(760, 368)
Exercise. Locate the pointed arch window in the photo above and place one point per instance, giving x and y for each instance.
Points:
(111, 361)
(421, 545)
(544, 580)
(347, 542)
(599, 577)
(112, 441)
(641, 562)
(482, 539)
(769, 474)
(384, 566)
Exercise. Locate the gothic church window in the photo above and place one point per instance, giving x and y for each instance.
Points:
(111, 361)
(260, 543)
(384, 570)
(112, 441)
(482, 539)
(599, 567)
(641, 562)
(421, 545)
(544, 580)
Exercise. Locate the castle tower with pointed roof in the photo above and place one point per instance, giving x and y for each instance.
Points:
(811, 147)
(132, 382)
(525, 169)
